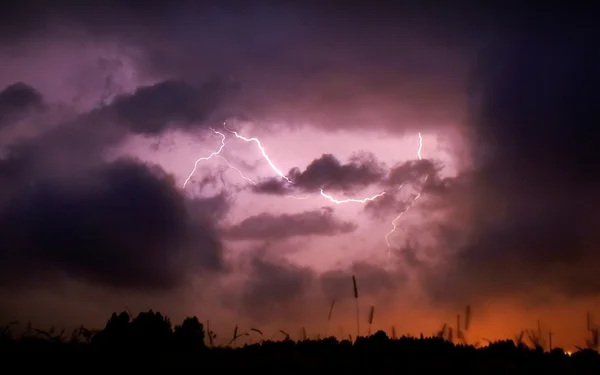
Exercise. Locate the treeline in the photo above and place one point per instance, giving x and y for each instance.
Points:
(150, 341)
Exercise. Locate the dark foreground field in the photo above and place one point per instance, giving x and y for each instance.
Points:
(149, 342)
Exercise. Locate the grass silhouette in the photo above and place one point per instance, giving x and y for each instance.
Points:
(150, 341)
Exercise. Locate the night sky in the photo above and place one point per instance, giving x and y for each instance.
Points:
(479, 123)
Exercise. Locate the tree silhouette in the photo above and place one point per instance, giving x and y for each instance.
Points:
(148, 342)
(190, 334)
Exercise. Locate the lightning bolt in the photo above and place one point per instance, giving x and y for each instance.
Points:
(407, 207)
(282, 175)
(237, 170)
(263, 152)
(217, 154)
(365, 200)
(207, 157)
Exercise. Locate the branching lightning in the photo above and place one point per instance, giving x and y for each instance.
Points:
(216, 154)
(207, 157)
(322, 193)
(282, 175)
(365, 200)
(262, 150)
(407, 207)
(237, 170)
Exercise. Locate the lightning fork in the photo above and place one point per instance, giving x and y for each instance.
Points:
(407, 207)
(237, 170)
(263, 152)
(207, 157)
(364, 200)
(280, 174)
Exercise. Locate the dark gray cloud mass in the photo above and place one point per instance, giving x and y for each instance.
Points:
(120, 224)
(412, 171)
(68, 212)
(530, 206)
(524, 218)
(377, 74)
(151, 109)
(327, 172)
(309, 223)
(16, 100)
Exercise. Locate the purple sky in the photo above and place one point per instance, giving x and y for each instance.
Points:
(105, 108)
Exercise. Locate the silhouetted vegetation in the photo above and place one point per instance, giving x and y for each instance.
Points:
(150, 341)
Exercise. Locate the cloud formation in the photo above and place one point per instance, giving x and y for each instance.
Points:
(519, 93)
(151, 109)
(528, 208)
(69, 212)
(327, 172)
(121, 224)
(16, 100)
(309, 223)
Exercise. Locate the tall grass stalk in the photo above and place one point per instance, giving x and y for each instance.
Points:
(329, 317)
(371, 313)
(209, 333)
(357, 308)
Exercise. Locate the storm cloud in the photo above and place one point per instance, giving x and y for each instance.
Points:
(17, 100)
(503, 96)
(151, 109)
(120, 224)
(69, 212)
(327, 172)
(530, 205)
(309, 223)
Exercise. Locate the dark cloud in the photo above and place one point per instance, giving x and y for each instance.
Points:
(395, 66)
(273, 186)
(389, 205)
(329, 173)
(529, 207)
(59, 149)
(521, 221)
(413, 171)
(378, 74)
(69, 212)
(152, 109)
(17, 100)
(361, 171)
(422, 176)
(120, 224)
(268, 226)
